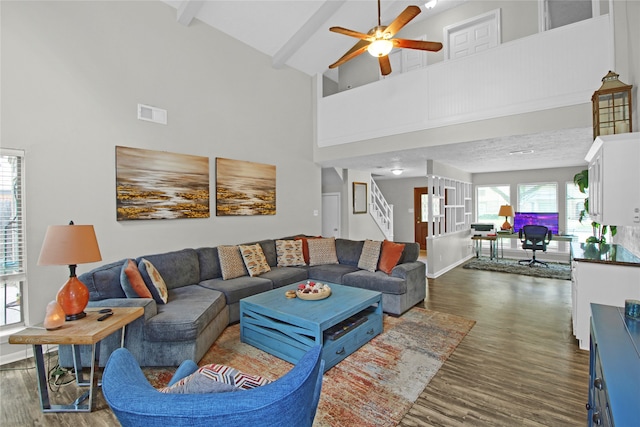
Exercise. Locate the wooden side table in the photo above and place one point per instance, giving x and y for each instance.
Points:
(84, 331)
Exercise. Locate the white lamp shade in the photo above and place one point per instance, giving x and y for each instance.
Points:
(380, 48)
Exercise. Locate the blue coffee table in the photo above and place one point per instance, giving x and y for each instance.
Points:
(288, 328)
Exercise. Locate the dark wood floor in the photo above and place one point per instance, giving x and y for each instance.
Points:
(519, 365)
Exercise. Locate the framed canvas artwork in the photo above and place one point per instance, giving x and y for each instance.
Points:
(160, 185)
(245, 188)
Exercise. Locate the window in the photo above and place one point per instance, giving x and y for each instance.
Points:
(538, 197)
(12, 272)
(558, 13)
(575, 204)
(488, 201)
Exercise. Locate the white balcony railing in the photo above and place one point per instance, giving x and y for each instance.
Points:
(381, 211)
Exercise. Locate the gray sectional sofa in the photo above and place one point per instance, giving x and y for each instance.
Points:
(201, 304)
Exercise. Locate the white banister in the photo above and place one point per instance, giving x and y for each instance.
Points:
(381, 211)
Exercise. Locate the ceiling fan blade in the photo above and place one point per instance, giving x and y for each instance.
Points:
(403, 19)
(351, 33)
(356, 50)
(417, 44)
(385, 65)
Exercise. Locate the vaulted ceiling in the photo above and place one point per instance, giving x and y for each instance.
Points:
(295, 33)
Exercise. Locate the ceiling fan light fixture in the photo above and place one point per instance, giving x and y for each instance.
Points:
(380, 47)
(397, 171)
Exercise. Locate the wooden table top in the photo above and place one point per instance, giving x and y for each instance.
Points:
(84, 331)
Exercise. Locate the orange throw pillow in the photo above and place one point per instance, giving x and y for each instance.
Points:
(132, 282)
(390, 255)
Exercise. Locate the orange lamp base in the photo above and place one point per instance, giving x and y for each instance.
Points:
(73, 297)
(506, 225)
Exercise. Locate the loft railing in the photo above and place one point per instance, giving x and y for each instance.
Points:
(381, 211)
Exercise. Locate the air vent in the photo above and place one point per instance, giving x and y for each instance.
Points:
(152, 114)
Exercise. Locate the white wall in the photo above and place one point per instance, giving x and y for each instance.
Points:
(72, 75)
(360, 226)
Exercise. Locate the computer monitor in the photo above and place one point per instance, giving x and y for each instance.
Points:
(548, 219)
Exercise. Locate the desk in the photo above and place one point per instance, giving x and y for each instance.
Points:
(84, 331)
(554, 238)
(493, 245)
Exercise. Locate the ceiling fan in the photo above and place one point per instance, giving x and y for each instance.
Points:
(379, 40)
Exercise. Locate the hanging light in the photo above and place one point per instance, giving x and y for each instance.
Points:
(380, 47)
(396, 171)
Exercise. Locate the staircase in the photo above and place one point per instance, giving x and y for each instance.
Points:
(381, 211)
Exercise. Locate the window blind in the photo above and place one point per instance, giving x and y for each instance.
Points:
(11, 212)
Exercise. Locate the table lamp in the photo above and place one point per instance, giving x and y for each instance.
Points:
(71, 245)
(506, 211)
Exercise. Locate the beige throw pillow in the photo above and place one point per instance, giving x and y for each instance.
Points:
(322, 251)
(289, 253)
(231, 262)
(370, 255)
(254, 259)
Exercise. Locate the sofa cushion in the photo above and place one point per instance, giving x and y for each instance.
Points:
(348, 251)
(331, 273)
(254, 259)
(282, 276)
(370, 255)
(390, 255)
(209, 263)
(190, 310)
(305, 246)
(378, 281)
(411, 252)
(231, 262)
(322, 251)
(154, 281)
(289, 253)
(104, 281)
(240, 287)
(131, 281)
(177, 268)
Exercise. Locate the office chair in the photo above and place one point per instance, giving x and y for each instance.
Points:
(536, 238)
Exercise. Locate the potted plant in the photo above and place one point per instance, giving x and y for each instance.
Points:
(581, 179)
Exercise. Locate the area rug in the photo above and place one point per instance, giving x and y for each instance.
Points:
(376, 385)
(554, 271)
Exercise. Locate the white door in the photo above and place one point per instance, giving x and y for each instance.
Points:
(331, 215)
(474, 35)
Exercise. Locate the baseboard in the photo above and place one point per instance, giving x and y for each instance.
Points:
(449, 267)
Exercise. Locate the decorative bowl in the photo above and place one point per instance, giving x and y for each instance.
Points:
(316, 291)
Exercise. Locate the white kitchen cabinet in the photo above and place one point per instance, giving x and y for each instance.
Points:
(614, 179)
(607, 279)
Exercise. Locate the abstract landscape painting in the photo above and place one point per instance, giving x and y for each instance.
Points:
(245, 188)
(160, 185)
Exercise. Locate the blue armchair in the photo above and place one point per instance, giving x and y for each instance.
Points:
(291, 400)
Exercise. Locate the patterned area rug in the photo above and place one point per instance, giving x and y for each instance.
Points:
(554, 271)
(376, 385)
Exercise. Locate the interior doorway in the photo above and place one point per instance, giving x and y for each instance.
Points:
(331, 215)
(420, 209)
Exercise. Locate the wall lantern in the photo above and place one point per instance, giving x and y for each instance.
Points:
(612, 107)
